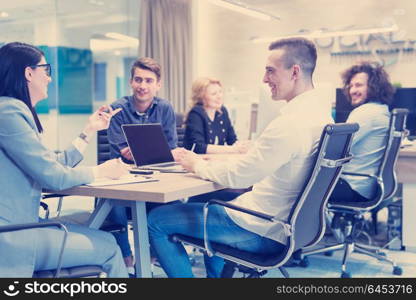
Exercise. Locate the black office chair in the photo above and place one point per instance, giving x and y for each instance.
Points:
(180, 128)
(305, 225)
(352, 213)
(80, 218)
(103, 147)
(59, 272)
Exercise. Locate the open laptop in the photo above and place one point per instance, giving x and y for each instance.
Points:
(149, 148)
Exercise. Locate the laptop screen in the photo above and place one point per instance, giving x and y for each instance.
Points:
(148, 144)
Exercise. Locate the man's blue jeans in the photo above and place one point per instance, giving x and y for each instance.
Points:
(187, 219)
(119, 215)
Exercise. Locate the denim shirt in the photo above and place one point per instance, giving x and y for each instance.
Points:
(160, 111)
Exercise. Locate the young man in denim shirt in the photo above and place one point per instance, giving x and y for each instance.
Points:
(142, 107)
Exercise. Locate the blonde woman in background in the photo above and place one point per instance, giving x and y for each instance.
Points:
(208, 126)
(209, 130)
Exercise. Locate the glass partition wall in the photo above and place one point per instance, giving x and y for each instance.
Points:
(90, 45)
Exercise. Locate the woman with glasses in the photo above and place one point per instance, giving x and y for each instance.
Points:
(27, 166)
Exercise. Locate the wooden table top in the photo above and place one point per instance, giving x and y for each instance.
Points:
(169, 187)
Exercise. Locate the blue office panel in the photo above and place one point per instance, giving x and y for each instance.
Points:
(71, 89)
(119, 85)
(75, 80)
(100, 79)
(51, 102)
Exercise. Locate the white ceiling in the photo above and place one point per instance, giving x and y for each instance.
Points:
(71, 11)
(334, 15)
(92, 17)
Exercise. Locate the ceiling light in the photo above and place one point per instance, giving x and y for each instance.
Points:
(326, 34)
(3, 14)
(244, 9)
(97, 45)
(96, 2)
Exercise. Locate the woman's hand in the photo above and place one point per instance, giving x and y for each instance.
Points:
(100, 119)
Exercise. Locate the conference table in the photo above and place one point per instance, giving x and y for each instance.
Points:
(169, 187)
(406, 174)
(166, 188)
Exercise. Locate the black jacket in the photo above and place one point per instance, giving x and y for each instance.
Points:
(201, 131)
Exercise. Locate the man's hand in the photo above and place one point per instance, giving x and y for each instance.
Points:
(241, 146)
(126, 153)
(178, 153)
(188, 160)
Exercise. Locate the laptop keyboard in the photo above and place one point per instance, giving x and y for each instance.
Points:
(168, 164)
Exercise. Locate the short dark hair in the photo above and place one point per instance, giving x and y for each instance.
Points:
(298, 51)
(379, 87)
(15, 58)
(147, 63)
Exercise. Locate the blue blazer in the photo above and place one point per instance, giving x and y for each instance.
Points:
(26, 167)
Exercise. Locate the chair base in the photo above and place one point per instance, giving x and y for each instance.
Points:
(350, 248)
(230, 268)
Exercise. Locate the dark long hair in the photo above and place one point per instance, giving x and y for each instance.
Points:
(14, 58)
(379, 87)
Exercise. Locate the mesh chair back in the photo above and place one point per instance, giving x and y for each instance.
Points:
(387, 168)
(307, 215)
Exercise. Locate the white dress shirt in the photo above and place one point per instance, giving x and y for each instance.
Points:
(276, 165)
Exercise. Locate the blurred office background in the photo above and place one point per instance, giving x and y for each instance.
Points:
(92, 43)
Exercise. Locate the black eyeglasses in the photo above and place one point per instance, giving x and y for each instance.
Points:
(47, 67)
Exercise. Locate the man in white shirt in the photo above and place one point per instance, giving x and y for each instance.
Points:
(276, 165)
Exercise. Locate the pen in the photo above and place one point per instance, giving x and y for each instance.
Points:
(193, 147)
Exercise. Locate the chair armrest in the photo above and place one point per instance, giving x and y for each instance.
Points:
(47, 196)
(60, 202)
(18, 227)
(360, 175)
(287, 227)
(45, 208)
(242, 209)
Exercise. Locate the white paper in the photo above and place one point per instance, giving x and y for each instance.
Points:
(122, 180)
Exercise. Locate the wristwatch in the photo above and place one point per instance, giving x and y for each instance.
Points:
(83, 136)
